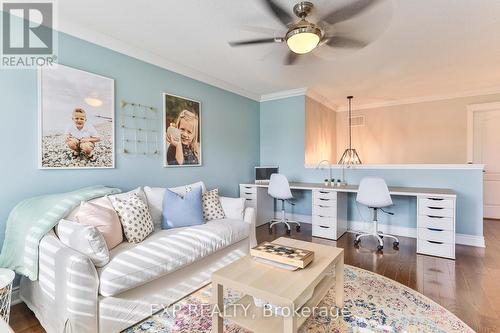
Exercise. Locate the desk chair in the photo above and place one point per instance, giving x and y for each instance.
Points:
(373, 192)
(280, 189)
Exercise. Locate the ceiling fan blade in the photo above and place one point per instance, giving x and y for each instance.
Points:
(348, 11)
(291, 58)
(279, 12)
(344, 42)
(255, 41)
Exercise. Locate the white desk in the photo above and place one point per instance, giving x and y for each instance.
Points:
(435, 212)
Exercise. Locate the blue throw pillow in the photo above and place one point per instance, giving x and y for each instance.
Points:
(181, 211)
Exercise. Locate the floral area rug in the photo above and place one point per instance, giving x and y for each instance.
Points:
(373, 303)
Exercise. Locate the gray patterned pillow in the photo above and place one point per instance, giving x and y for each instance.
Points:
(212, 209)
(134, 216)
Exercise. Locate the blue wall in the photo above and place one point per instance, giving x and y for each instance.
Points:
(282, 143)
(230, 127)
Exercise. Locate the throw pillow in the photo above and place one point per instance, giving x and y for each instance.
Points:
(181, 211)
(155, 196)
(134, 216)
(101, 214)
(212, 209)
(234, 208)
(125, 195)
(85, 239)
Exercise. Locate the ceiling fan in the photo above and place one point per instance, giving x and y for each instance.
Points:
(304, 36)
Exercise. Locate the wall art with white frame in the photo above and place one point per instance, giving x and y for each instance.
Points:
(76, 119)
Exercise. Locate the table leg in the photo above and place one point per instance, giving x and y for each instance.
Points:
(339, 282)
(290, 324)
(218, 302)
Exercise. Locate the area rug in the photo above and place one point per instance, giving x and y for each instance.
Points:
(373, 303)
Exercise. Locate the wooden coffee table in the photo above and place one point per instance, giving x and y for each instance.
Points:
(279, 287)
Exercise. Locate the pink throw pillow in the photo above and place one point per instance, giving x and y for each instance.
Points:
(101, 214)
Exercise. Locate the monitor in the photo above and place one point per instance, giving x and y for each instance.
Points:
(263, 174)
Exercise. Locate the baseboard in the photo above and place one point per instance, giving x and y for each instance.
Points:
(471, 240)
(307, 219)
(395, 230)
(15, 298)
(462, 239)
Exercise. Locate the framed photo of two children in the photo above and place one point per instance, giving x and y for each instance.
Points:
(181, 131)
(76, 119)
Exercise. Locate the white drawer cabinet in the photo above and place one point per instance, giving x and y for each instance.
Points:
(258, 198)
(329, 214)
(436, 226)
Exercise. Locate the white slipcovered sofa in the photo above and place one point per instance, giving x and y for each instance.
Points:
(73, 295)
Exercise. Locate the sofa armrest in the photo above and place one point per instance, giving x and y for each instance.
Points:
(70, 279)
(249, 217)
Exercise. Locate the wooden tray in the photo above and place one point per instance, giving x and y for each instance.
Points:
(283, 254)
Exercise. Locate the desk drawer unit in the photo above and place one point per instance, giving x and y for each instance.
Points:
(329, 214)
(257, 198)
(436, 226)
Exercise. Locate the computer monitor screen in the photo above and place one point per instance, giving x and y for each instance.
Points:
(263, 174)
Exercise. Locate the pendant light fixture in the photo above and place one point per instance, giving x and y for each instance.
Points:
(350, 156)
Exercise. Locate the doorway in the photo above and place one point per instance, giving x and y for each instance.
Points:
(484, 148)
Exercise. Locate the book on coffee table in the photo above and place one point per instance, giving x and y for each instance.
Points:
(283, 254)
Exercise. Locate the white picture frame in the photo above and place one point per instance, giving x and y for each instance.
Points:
(62, 90)
(173, 106)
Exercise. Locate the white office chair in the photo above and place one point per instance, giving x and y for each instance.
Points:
(280, 190)
(373, 192)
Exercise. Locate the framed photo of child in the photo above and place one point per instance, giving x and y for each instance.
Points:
(76, 119)
(181, 131)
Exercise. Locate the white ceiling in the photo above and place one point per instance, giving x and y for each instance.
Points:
(420, 47)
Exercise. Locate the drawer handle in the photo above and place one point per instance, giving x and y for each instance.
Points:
(321, 216)
(324, 227)
(435, 229)
(435, 217)
(434, 242)
(324, 192)
(248, 193)
(248, 187)
(436, 208)
(249, 199)
(323, 199)
(436, 199)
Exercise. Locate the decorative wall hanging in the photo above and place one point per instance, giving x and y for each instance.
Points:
(76, 119)
(181, 131)
(139, 125)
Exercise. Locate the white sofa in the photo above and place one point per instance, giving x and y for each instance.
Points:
(72, 295)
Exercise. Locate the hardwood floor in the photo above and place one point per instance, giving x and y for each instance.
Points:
(468, 286)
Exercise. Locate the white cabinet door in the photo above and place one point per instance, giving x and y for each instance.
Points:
(486, 150)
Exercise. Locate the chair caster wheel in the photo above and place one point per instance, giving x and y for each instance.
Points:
(380, 247)
(297, 228)
(288, 231)
(356, 242)
(395, 245)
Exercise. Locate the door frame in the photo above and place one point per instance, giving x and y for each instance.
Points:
(471, 109)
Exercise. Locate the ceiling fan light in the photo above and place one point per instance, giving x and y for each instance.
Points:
(303, 39)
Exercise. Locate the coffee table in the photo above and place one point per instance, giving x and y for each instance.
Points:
(277, 286)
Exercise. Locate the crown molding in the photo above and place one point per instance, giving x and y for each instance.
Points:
(149, 57)
(321, 99)
(423, 99)
(283, 94)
